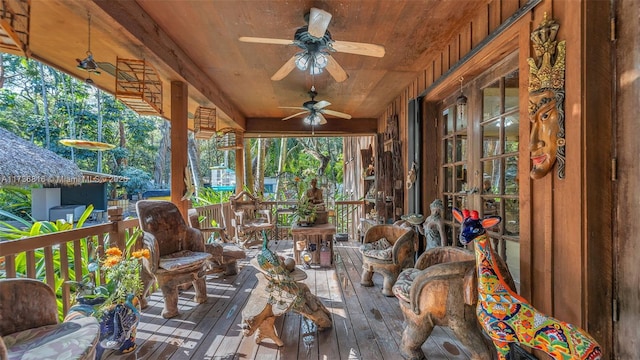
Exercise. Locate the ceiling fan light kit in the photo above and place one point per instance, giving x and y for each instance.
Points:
(314, 61)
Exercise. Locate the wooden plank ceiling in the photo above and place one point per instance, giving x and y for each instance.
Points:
(197, 42)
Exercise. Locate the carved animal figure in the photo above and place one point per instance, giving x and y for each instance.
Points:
(508, 318)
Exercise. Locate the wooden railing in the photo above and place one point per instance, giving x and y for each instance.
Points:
(57, 257)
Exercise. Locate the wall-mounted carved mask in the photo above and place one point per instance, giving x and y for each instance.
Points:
(546, 100)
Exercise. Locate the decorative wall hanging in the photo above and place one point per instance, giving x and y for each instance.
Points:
(204, 122)
(229, 139)
(138, 85)
(14, 26)
(546, 100)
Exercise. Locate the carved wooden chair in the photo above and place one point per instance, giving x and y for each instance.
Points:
(249, 219)
(440, 290)
(178, 253)
(225, 255)
(29, 325)
(387, 249)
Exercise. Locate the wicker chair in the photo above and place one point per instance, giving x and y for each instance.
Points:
(387, 249)
(178, 253)
(29, 325)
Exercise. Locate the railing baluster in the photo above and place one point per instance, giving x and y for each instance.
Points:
(31, 264)
(10, 266)
(64, 274)
(48, 267)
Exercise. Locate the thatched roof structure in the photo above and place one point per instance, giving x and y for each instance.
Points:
(24, 163)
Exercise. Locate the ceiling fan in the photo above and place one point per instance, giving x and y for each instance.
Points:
(315, 110)
(317, 45)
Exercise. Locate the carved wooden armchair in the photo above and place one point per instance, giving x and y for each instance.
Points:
(249, 219)
(178, 253)
(29, 325)
(442, 290)
(225, 255)
(387, 249)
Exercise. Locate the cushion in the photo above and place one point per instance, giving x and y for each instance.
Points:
(386, 254)
(380, 244)
(74, 339)
(403, 285)
(182, 259)
(380, 249)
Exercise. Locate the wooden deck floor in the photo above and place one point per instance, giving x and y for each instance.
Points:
(366, 324)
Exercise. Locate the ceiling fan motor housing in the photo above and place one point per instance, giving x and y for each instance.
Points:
(310, 43)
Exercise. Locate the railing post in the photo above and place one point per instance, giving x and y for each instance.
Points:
(116, 234)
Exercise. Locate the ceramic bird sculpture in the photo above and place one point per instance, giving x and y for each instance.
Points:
(507, 317)
(267, 259)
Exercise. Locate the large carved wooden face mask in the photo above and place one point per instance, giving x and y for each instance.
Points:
(544, 140)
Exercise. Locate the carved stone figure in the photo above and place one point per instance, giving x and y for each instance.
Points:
(314, 194)
(433, 226)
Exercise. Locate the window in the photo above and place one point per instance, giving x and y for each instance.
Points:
(499, 132)
(479, 165)
(454, 167)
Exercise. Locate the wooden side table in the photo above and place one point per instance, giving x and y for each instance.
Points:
(313, 236)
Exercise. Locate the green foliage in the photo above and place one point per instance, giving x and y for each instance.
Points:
(139, 180)
(34, 228)
(16, 200)
(208, 196)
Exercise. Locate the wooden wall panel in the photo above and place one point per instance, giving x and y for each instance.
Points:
(564, 243)
(494, 18)
(508, 7)
(465, 41)
(480, 27)
(597, 102)
(628, 178)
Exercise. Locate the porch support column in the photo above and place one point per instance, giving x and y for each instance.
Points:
(179, 110)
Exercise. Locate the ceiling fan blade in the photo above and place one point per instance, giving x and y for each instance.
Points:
(318, 22)
(294, 115)
(260, 40)
(293, 107)
(285, 69)
(336, 70)
(321, 104)
(336, 114)
(323, 120)
(350, 47)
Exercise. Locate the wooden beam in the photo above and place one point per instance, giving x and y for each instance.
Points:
(139, 24)
(295, 127)
(179, 138)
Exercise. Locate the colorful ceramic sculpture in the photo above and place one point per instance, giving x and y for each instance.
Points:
(508, 318)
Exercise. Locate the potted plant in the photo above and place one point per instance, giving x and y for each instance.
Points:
(110, 293)
(305, 212)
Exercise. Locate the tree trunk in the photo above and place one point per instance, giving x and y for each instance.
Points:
(159, 168)
(99, 95)
(122, 162)
(45, 105)
(192, 154)
(281, 161)
(248, 164)
(260, 166)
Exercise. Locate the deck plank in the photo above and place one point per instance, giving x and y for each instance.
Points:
(366, 324)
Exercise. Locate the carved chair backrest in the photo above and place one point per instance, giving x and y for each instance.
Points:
(245, 207)
(163, 220)
(390, 232)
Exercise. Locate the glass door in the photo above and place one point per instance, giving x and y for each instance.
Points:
(499, 133)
